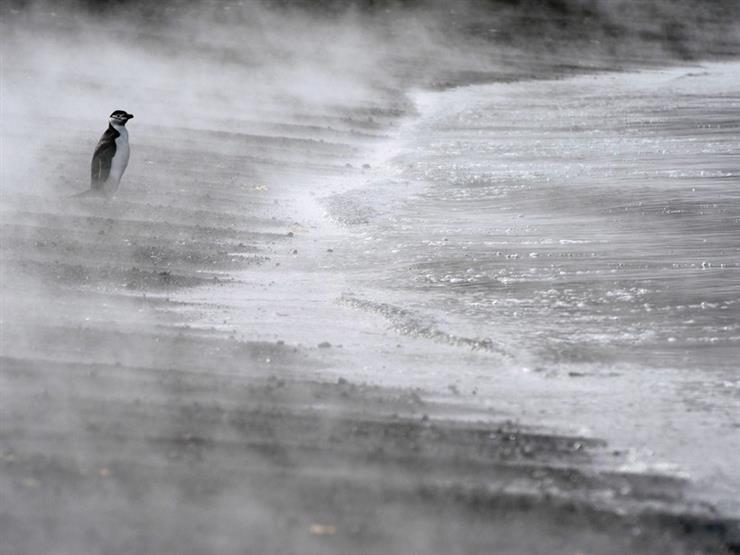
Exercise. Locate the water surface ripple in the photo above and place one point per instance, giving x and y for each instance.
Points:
(586, 227)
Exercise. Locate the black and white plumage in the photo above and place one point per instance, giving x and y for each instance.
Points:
(110, 157)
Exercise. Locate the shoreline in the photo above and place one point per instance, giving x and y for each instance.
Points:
(216, 399)
(170, 388)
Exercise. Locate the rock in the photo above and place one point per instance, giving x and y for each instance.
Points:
(322, 530)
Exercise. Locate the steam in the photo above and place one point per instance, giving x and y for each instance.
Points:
(68, 65)
(222, 67)
(219, 91)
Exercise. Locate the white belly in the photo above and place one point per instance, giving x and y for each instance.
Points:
(119, 162)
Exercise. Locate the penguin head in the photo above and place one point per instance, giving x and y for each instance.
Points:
(120, 117)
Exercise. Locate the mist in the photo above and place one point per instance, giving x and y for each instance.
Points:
(293, 330)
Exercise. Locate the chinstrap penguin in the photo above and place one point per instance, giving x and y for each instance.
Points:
(110, 158)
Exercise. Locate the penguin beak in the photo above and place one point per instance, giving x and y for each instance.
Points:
(130, 116)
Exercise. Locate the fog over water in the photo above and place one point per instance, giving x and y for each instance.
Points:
(581, 227)
(381, 277)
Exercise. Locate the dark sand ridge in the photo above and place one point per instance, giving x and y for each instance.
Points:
(124, 430)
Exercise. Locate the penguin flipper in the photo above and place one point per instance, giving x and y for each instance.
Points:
(101, 162)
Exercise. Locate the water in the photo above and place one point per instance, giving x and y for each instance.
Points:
(561, 253)
(586, 228)
(589, 220)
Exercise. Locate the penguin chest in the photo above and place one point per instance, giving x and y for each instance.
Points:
(120, 159)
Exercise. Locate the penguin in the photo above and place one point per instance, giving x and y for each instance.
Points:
(110, 158)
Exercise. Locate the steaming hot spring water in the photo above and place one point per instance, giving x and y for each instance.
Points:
(565, 251)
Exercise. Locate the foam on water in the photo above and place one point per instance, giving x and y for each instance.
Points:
(588, 217)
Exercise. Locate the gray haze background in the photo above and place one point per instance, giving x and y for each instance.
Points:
(127, 422)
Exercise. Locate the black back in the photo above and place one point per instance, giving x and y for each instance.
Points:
(102, 158)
